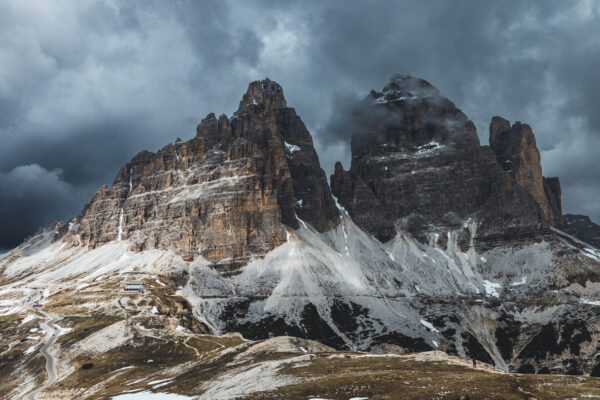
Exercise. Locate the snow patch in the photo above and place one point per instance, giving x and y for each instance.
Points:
(591, 253)
(152, 383)
(591, 302)
(491, 288)
(27, 319)
(519, 283)
(61, 331)
(245, 381)
(429, 147)
(339, 206)
(120, 226)
(428, 325)
(391, 256)
(291, 147)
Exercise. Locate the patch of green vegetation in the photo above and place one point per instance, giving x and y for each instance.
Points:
(271, 356)
(13, 330)
(190, 382)
(8, 319)
(66, 298)
(137, 353)
(12, 375)
(146, 355)
(227, 341)
(393, 378)
(83, 326)
(204, 345)
(106, 371)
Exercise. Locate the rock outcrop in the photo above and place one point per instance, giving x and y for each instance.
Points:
(516, 150)
(554, 196)
(417, 162)
(582, 227)
(225, 195)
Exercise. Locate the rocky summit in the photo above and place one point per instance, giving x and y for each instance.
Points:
(517, 153)
(225, 267)
(420, 165)
(225, 195)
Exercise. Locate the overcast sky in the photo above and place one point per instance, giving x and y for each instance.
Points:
(85, 85)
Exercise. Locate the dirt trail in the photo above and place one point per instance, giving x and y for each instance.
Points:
(51, 363)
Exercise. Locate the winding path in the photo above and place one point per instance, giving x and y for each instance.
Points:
(51, 337)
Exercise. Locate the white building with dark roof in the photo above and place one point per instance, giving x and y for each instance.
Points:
(134, 287)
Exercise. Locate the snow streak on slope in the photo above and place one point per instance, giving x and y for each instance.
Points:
(343, 265)
(59, 262)
(378, 289)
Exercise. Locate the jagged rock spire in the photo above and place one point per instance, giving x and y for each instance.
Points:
(266, 93)
(516, 150)
(417, 163)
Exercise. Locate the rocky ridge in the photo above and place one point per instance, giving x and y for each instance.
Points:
(583, 229)
(429, 243)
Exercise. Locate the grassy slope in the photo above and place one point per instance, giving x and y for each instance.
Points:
(195, 359)
(407, 378)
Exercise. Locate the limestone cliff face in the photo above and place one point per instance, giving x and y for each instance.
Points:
(305, 193)
(517, 153)
(554, 196)
(417, 162)
(582, 227)
(226, 194)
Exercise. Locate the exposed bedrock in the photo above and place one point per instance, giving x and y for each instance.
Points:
(517, 153)
(582, 227)
(226, 194)
(416, 156)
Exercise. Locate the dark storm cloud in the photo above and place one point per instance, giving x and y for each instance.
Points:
(86, 85)
(215, 37)
(35, 189)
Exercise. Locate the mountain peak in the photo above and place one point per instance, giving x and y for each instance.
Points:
(405, 87)
(265, 93)
(517, 153)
